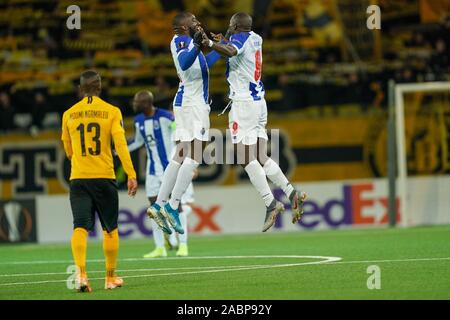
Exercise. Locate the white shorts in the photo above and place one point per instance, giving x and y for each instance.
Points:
(192, 122)
(247, 121)
(153, 184)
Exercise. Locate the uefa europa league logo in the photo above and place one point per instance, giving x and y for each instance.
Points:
(15, 222)
(12, 212)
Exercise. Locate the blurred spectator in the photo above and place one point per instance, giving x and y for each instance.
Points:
(439, 61)
(417, 40)
(163, 93)
(290, 94)
(38, 110)
(6, 113)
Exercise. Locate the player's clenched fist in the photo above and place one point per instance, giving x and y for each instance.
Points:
(132, 187)
(198, 36)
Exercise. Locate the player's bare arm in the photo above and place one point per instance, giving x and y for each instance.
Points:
(227, 50)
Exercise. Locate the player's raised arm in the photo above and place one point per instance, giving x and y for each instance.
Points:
(225, 49)
(214, 56)
(118, 135)
(65, 137)
(239, 25)
(187, 57)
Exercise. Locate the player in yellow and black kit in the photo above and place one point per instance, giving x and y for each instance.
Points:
(88, 130)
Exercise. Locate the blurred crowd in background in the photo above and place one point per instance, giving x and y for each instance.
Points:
(318, 54)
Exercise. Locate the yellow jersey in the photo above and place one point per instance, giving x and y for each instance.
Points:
(88, 130)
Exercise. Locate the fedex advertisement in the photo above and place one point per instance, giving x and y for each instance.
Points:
(239, 209)
(342, 205)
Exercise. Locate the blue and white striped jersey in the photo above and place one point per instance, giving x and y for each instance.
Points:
(156, 134)
(192, 69)
(244, 69)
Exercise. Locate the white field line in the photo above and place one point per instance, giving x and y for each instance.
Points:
(169, 258)
(226, 268)
(125, 270)
(328, 260)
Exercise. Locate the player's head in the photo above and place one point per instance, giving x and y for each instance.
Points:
(90, 83)
(185, 23)
(240, 22)
(142, 101)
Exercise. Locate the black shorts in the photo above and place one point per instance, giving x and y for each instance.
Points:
(88, 196)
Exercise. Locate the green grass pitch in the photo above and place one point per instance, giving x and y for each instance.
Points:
(414, 264)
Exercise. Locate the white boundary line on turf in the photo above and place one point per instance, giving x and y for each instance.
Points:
(395, 260)
(211, 257)
(125, 270)
(328, 260)
(225, 268)
(149, 259)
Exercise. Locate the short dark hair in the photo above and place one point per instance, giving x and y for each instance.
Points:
(243, 20)
(90, 82)
(88, 74)
(179, 18)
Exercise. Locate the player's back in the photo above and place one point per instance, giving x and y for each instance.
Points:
(90, 125)
(244, 69)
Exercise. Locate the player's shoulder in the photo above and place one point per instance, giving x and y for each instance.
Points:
(181, 41)
(106, 106)
(241, 37)
(162, 113)
(139, 118)
(73, 108)
(255, 36)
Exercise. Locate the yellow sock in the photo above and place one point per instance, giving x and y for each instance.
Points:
(79, 246)
(111, 249)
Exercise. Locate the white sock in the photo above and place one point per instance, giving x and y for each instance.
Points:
(274, 173)
(184, 178)
(258, 179)
(168, 181)
(158, 235)
(183, 219)
(173, 238)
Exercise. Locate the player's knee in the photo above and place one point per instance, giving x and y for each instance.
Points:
(111, 233)
(183, 150)
(86, 224)
(179, 157)
(196, 150)
(262, 159)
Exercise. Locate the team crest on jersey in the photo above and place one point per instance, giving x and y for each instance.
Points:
(234, 128)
